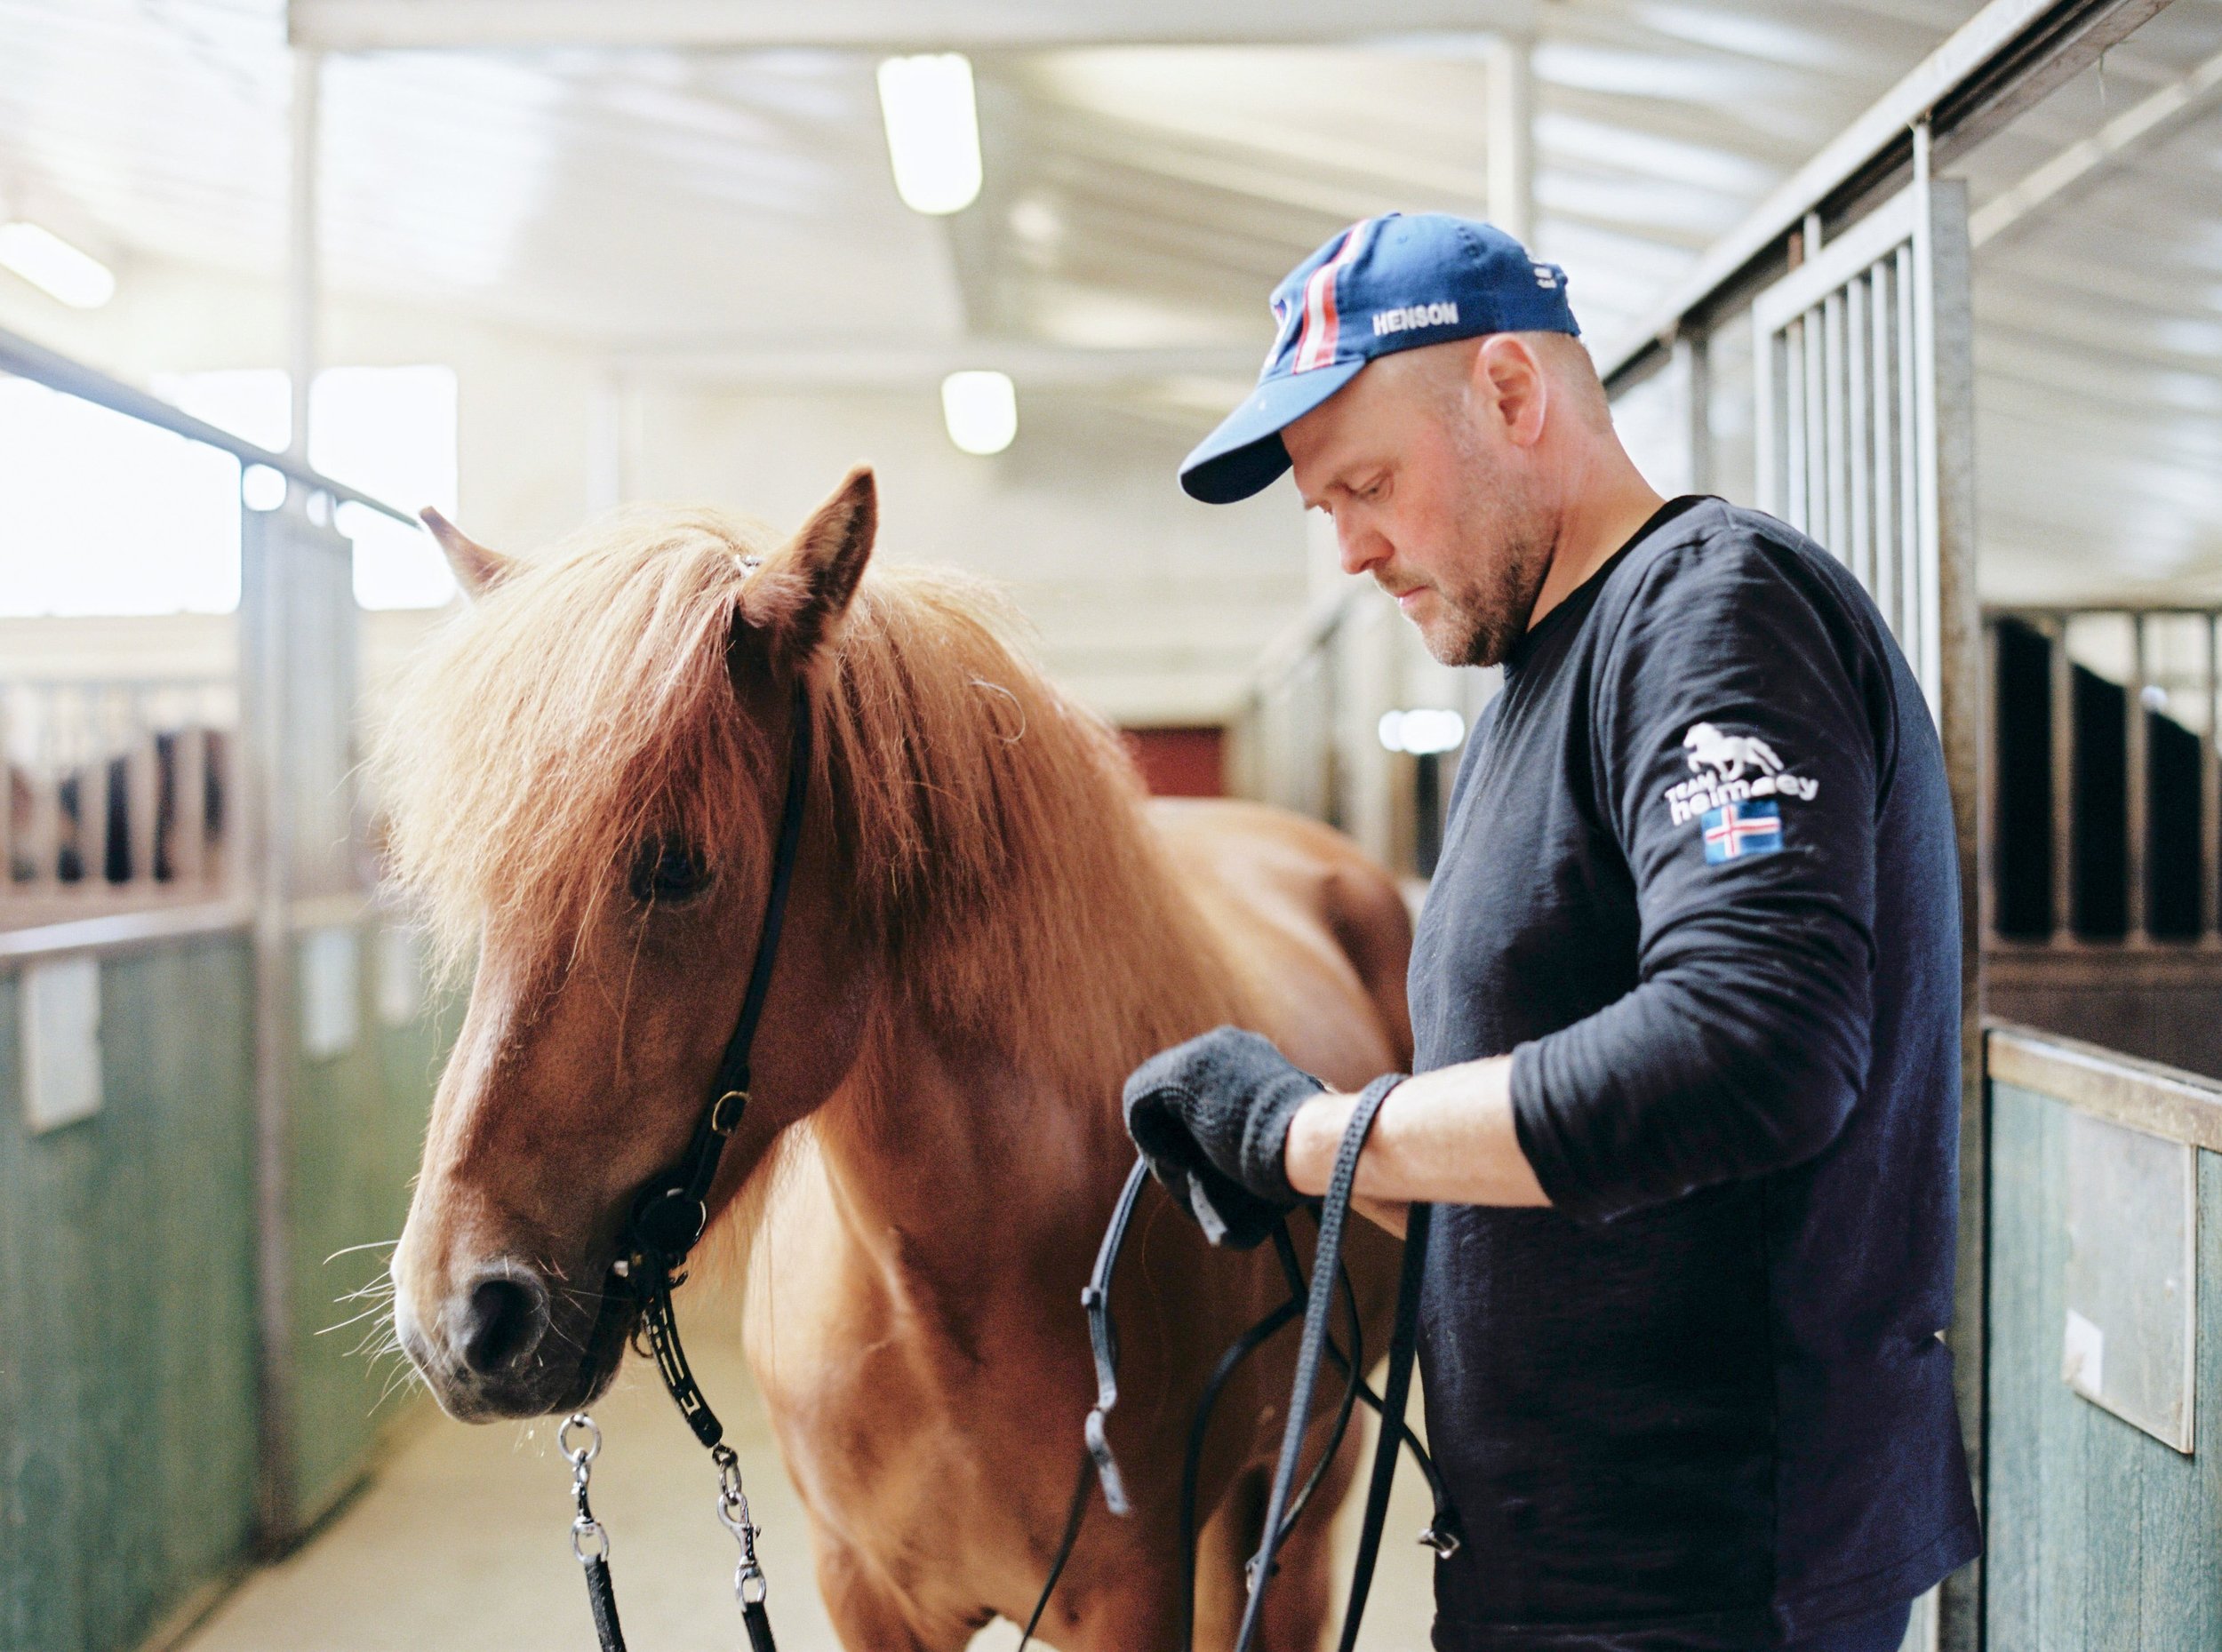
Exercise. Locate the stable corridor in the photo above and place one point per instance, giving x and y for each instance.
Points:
(461, 1539)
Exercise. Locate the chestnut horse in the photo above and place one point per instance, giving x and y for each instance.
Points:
(988, 929)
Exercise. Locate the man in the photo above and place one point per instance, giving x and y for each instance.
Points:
(1685, 993)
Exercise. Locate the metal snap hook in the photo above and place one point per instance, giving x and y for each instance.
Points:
(590, 1540)
(577, 1455)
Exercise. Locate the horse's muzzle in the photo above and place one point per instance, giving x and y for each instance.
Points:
(505, 1343)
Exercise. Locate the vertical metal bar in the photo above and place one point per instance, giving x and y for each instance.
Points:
(1766, 427)
(2210, 784)
(188, 816)
(1508, 106)
(143, 775)
(1797, 486)
(1692, 356)
(1835, 519)
(1885, 447)
(1928, 483)
(1909, 473)
(266, 858)
(1858, 473)
(46, 828)
(1816, 432)
(2136, 776)
(44, 770)
(301, 262)
(92, 797)
(1952, 624)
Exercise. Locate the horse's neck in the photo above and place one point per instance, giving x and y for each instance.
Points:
(986, 1115)
(952, 1165)
(1031, 975)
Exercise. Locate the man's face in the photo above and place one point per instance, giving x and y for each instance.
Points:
(1419, 461)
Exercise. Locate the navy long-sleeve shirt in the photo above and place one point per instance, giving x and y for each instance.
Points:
(1700, 881)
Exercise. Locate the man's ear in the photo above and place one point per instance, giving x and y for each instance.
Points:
(477, 569)
(805, 586)
(1509, 373)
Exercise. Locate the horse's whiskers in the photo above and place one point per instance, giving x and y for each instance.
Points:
(383, 1334)
(405, 1374)
(374, 1244)
(376, 1308)
(555, 1326)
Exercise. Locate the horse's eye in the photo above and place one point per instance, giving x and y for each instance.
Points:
(669, 872)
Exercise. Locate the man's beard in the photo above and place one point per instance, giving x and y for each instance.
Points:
(1481, 621)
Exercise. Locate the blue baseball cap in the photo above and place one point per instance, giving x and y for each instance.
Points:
(1383, 284)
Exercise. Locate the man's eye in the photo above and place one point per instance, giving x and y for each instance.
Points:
(669, 872)
(1373, 491)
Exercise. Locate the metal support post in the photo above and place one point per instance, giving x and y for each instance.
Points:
(1511, 111)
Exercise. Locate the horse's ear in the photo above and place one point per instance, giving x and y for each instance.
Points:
(477, 569)
(800, 596)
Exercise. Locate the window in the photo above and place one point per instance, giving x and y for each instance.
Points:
(390, 431)
(102, 514)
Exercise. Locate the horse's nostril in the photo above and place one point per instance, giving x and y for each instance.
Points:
(503, 1325)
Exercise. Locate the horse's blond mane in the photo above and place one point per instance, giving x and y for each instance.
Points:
(993, 827)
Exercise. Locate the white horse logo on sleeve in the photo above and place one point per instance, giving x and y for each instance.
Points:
(1728, 756)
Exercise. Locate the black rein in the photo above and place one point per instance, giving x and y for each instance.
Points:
(1315, 1300)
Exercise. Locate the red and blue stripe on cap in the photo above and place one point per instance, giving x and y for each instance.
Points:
(1388, 283)
(1308, 306)
(1322, 327)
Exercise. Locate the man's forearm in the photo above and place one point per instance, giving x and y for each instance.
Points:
(1445, 1137)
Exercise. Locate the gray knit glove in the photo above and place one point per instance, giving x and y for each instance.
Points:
(1211, 1116)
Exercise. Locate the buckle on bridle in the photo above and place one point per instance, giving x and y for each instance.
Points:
(667, 1220)
(726, 1112)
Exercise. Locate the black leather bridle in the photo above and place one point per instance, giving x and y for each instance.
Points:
(662, 1229)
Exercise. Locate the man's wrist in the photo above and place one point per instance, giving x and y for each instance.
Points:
(1315, 1136)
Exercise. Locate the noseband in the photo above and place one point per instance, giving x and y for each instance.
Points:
(665, 1225)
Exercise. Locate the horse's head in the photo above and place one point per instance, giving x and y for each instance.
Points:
(583, 778)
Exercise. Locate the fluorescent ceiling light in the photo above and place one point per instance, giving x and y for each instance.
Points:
(932, 131)
(1422, 730)
(55, 267)
(982, 411)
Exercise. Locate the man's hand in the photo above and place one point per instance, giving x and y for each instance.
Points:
(1211, 1116)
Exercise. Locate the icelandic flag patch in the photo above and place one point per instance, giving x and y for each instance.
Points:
(1736, 830)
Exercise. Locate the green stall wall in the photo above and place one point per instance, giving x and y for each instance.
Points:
(358, 1127)
(130, 1345)
(2100, 1537)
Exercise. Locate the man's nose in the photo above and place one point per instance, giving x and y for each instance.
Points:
(1362, 548)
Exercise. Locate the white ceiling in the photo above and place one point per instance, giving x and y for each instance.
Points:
(677, 204)
(1139, 196)
(2098, 338)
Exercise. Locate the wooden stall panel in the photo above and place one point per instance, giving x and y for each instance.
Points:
(127, 1325)
(2101, 1536)
(360, 1104)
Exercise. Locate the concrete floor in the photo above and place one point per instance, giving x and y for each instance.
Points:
(462, 1540)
